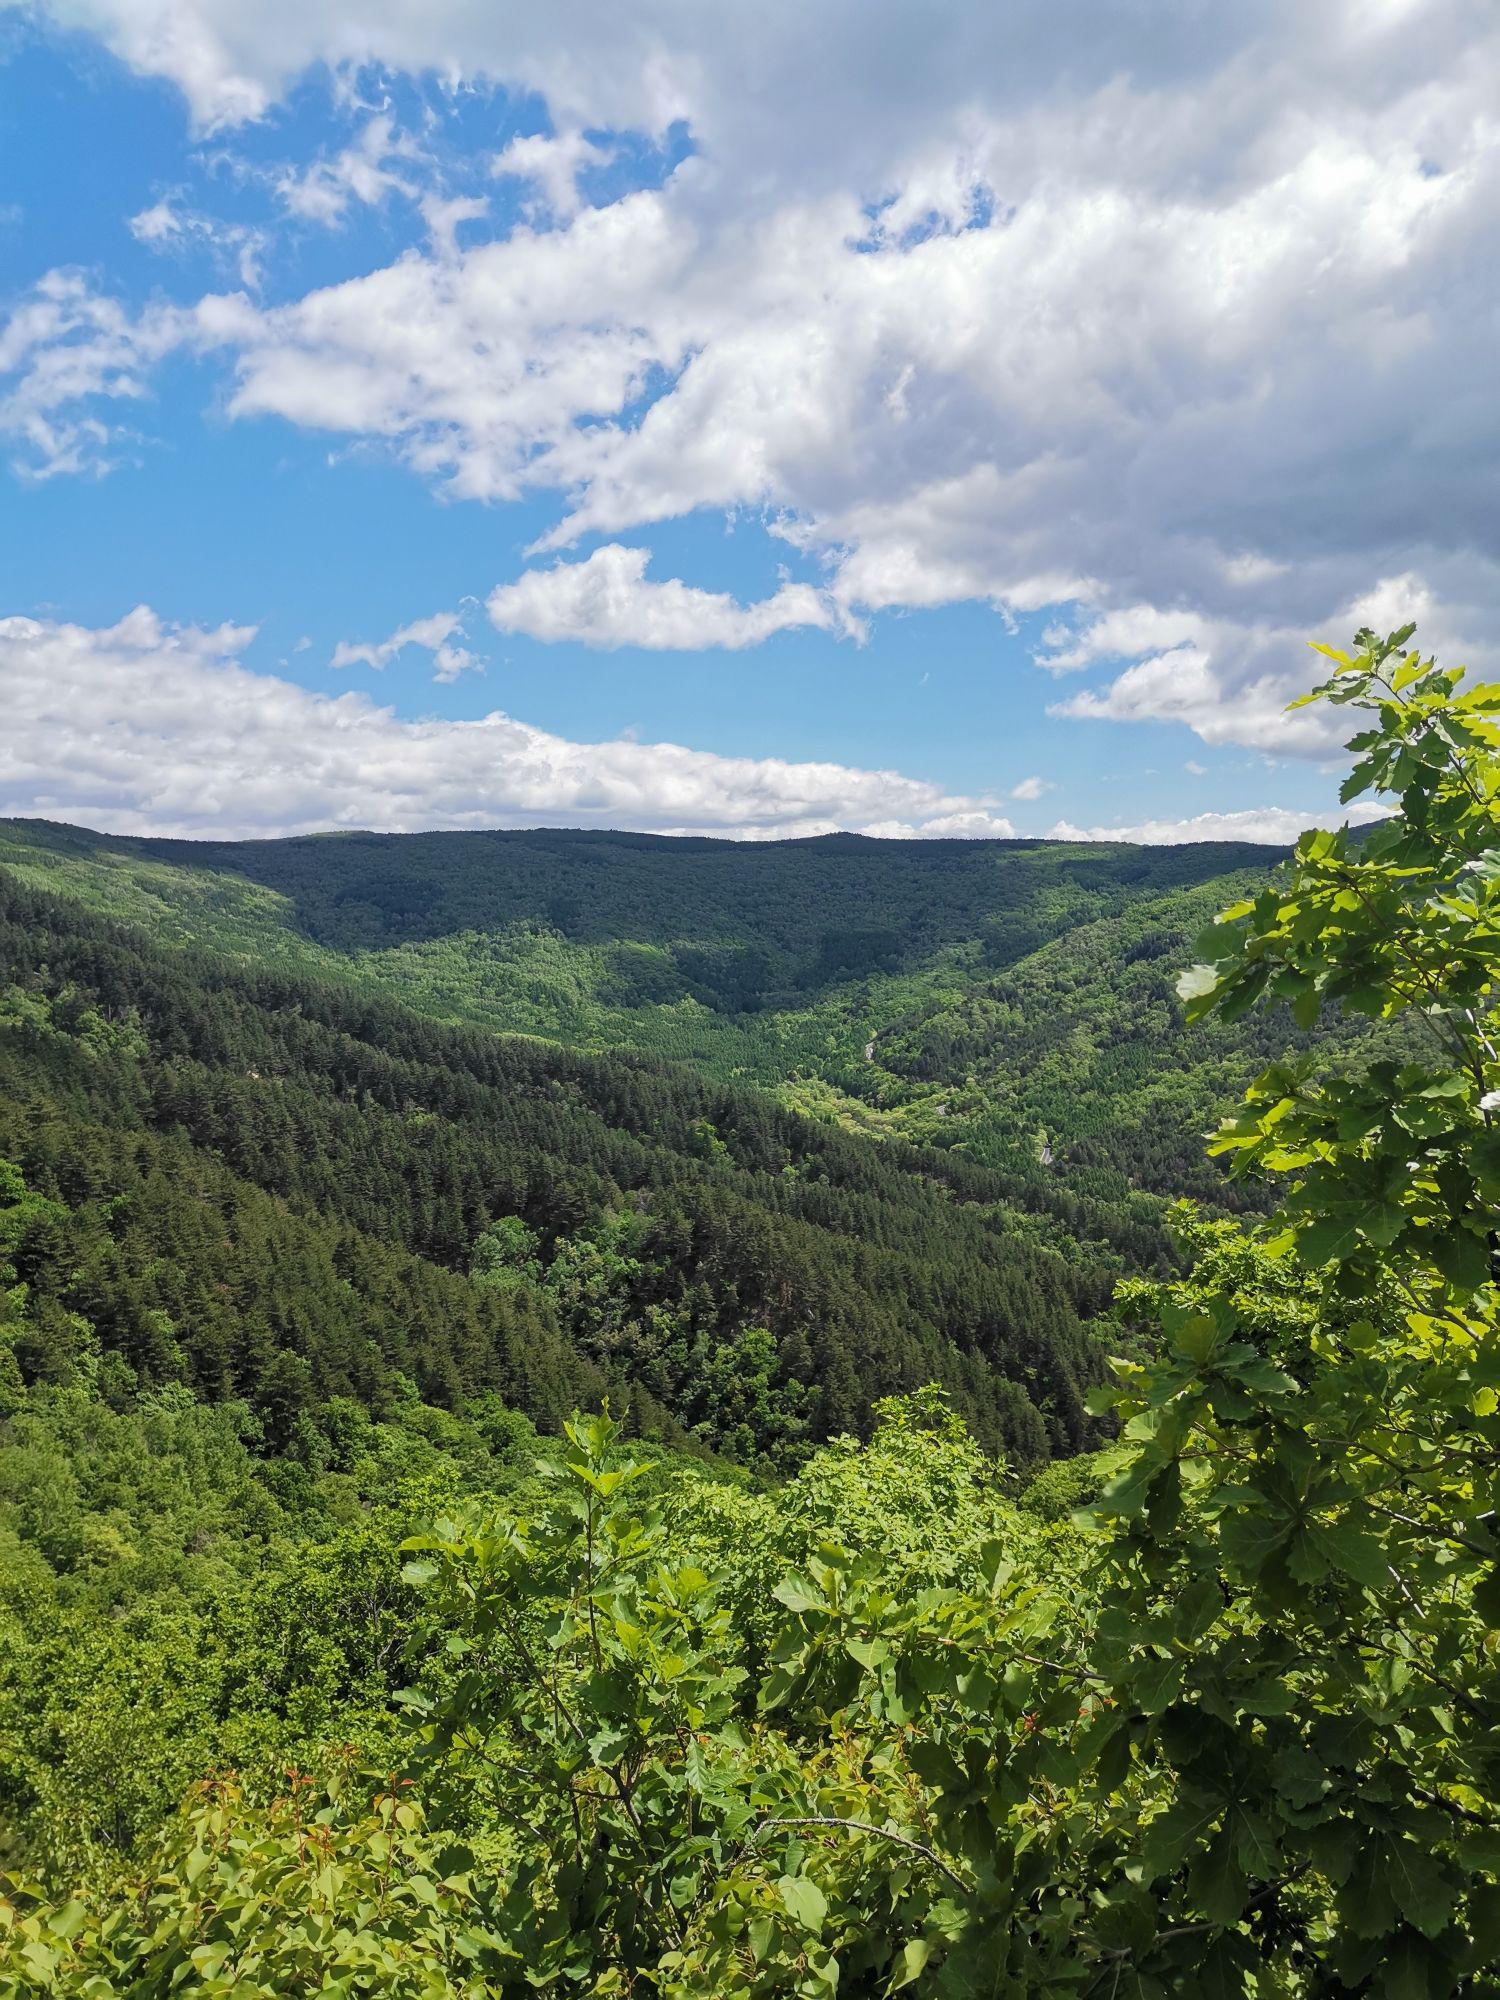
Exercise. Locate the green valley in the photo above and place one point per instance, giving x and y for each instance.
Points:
(1011, 1002)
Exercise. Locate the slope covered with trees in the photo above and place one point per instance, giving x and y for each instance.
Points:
(289, 1192)
(895, 1726)
(1008, 1000)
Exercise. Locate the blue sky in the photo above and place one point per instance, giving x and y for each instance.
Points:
(920, 440)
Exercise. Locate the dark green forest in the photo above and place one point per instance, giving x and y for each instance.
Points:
(268, 1188)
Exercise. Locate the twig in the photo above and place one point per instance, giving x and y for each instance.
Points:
(865, 1826)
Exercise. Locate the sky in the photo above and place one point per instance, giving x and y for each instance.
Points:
(945, 420)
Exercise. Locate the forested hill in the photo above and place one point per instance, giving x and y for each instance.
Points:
(787, 915)
(1009, 1000)
(300, 1193)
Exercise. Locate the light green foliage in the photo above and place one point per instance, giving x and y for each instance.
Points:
(333, 1888)
(1397, 1169)
(919, 1500)
(171, 1601)
(585, 1703)
(505, 1256)
(1304, 1589)
(1061, 1489)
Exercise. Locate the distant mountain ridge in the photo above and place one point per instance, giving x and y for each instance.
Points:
(1009, 999)
(372, 890)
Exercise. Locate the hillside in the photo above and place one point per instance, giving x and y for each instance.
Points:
(269, 1188)
(296, 1249)
(1011, 1001)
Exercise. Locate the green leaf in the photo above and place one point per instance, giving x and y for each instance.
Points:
(804, 1902)
(1487, 1598)
(1197, 982)
(1197, 1609)
(1250, 1539)
(911, 1962)
(1156, 1683)
(1329, 1237)
(1463, 1259)
(1220, 1972)
(1196, 1337)
(798, 1595)
(1354, 1551)
(1419, 1888)
(1180, 1831)
(1407, 1974)
(1217, 1881)
(1359, 780)
(1265, 1378)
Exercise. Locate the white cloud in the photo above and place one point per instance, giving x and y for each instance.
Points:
(65, 353)
(443, 214)
(606, 601)
(553, 165)
(360, 172)
(1230, 681)
(477, 365)
(169, 225)
(1131, 630)
(161, 223)
(147, 727)
(1269, 826)
(435, 634)
(976, 824)
(1185, 323)
(1031, 788)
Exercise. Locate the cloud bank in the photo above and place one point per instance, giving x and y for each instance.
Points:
(144, 727)
(1269, 826)
(147, 727)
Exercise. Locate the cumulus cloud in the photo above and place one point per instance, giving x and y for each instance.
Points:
(1230, 681)
(436, 634)
(1184, 328)
(552, 164)
(1264, 826)
(1120, 634)
(66, 353)
(477, 364)
(976, 824)
(147, 727)
(606, 601)
(1031, 788)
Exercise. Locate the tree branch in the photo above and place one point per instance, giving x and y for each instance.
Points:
(864, 1826)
